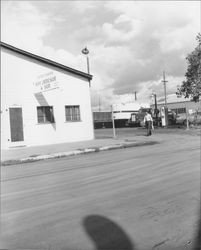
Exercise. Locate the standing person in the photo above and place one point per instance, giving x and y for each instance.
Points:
(148, 122)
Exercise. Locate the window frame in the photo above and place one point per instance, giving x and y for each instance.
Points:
(74, 116)
(181, 110)
(45, 119)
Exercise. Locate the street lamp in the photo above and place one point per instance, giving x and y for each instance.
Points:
(85, 51)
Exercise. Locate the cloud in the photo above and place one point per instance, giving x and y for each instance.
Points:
(130, 42)
(23, 25)
(165, 35)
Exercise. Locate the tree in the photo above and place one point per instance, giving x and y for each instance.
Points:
(191, 87)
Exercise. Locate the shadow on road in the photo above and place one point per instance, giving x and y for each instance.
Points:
(106, 234)
(197, 244)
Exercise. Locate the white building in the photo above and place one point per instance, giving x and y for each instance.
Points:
(42, 102)
(179, 104)
(124, 110)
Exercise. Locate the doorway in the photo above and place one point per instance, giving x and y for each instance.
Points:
(16, 124)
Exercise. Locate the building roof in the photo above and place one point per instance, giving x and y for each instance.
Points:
(129, 107)
(45, 60)
(173, 98)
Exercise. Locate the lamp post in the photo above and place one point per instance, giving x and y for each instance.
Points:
(85, 51)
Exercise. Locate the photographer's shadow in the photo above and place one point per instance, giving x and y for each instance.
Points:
(106, 234)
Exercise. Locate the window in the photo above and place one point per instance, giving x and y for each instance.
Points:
(175, 110)
(72, 113)
(181, 110)
(45, 114)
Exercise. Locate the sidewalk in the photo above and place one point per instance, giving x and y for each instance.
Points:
(28, 154)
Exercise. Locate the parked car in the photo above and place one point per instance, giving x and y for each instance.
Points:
(171, 117)
(181, 119)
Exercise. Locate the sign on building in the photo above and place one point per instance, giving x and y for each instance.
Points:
(45, 82)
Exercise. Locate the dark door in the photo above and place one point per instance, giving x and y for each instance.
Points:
(16, 124)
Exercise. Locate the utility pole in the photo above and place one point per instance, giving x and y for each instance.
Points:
(164, 82)
(187, 118)
(135, 96)
(156, 109)
(113, 123)
(166, 108)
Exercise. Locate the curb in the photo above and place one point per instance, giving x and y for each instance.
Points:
(75, 152)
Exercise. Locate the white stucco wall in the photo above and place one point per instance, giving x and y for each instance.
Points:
(18, 75)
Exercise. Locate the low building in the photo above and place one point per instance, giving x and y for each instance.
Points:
(42, 102)
(180, 106)
(102, 119)
(121, 114)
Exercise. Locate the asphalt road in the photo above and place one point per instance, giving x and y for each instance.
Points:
(135, 199)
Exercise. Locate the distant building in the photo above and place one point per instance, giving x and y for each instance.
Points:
(121, 113)
(179, 105)
(102, 119)
(42, 102)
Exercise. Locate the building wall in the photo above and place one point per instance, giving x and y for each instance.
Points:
(102, 116)
(18, 89)
(188, 105)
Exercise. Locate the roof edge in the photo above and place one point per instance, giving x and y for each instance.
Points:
(45, 60)
(162, 103)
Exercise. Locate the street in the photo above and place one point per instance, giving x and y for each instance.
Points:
(137, 198)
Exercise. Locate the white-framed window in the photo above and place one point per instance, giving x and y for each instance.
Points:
(72, 113)
(45, 114)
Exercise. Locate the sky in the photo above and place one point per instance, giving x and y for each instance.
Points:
(130, 43)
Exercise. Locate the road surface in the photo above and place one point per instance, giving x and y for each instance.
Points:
(137, 198)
